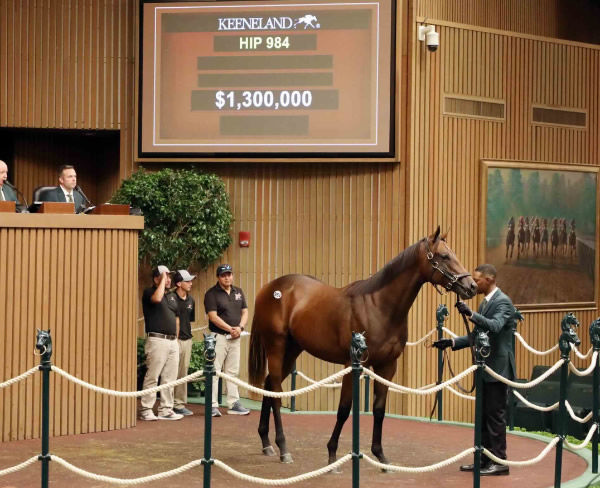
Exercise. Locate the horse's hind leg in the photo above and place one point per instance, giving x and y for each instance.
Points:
(263, 425)
(342, 415)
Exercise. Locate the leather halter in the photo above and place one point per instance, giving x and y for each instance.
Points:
(435, 265)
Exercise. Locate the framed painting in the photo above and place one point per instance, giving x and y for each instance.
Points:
(540, 230)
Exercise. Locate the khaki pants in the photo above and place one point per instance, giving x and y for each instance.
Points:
(227, 361)
(185, 351)
(162, 358)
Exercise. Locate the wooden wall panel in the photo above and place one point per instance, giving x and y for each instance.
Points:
(444, 164)
(71, 281)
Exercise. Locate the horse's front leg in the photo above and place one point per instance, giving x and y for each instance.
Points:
(263, 425)
(342, 415)
(380, 397)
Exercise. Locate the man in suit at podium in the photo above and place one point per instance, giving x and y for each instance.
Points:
(67, 190)
(7, 194)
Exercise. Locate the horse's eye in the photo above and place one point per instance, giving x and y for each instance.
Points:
(445, 256)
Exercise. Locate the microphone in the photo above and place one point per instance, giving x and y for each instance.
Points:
(87, 200)
(17, 191)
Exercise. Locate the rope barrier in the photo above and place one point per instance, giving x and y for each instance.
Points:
(120, 481)
(18, 467)
(421, 339)
(533, 405)
(310, 380)
(424, 469)
(585, 441)
(581, 420)
(22, 376)
(581, 355)
(531, 349)
(449, 332)
(459, 394)
(427, 391)
(284, 394)
(530, 384)
(587, 371)
(528, 462)
(284, 481)
(191, 377)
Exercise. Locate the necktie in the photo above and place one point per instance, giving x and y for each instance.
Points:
(483, 304)
(69, 198)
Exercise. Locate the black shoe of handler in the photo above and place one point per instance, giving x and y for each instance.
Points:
(494, 469)
(471, 467)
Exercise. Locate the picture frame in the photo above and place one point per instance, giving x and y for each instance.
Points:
(550, 213)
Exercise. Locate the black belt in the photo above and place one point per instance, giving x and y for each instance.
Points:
(162, 336)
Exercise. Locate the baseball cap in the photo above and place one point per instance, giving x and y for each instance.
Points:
(182, 275)
(159, 270)
(224, 268)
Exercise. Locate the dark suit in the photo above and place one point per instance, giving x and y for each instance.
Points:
(497, 318)
(57, 195)
(9, 194)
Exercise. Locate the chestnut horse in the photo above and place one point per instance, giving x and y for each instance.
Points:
(296, 313)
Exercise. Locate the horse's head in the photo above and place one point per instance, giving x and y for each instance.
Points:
(210, 342)
(595, 333)
(441, 313)
(43, 342)
(482, 343)
(443, 268)
(358, 346)
(568, 336)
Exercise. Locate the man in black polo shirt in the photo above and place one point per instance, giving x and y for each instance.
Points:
(227, 312)
(162, 350)
(187, 315)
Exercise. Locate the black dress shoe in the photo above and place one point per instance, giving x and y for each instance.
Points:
(471, 467)
(494, 469)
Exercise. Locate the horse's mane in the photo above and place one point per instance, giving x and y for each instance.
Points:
(386, 274)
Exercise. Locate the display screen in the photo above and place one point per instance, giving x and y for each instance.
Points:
(252, 78)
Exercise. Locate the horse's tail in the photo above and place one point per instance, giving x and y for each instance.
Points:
(257, 358)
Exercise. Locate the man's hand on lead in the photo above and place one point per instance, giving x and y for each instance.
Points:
(463, 308)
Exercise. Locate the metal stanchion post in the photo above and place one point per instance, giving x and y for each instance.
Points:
(482, 350)
(518, 317)
(595, 340)
(357, 348)
(44, 345)
(567, 338)
(440, 314)
(209, 372)
(293, 399)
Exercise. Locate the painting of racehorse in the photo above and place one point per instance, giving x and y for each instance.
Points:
(540, 230)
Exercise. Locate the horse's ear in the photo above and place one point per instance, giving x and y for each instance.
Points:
(435, 236)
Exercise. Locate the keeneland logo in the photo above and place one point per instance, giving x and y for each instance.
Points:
(267, 23)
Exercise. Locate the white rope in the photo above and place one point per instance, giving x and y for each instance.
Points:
(532, 383)
(585, 441)
(283, 481)
(459, 394)
(579, 354)
(16, 379)
(310, 380)
(426, 391)
(200, 328)
(191, 377)
(284, 394)
(423, 469)
(581, 420)
(449, 332)
(395, 390)
(533, 405)
(130, 481)
(587, 371)
(421, 339)
(531, 349)
(18, 467)
(529, 462)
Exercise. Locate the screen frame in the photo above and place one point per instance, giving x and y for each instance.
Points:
(245, 156)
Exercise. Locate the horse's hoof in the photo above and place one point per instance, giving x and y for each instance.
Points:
(269, 451)
(286, 458)
(383, 470)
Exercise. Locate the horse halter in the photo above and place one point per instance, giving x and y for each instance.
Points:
(435, 265)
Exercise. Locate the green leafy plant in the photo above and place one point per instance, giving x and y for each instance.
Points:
(197, 364)
(141, 362)
(186, 216)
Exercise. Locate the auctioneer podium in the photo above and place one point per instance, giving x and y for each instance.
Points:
(77, 276)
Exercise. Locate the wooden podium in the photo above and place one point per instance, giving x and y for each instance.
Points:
(57, 208)
(8, 207)
(76, 275)
(111, 209)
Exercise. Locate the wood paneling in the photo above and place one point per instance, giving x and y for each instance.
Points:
(77, 279)
(445, 162)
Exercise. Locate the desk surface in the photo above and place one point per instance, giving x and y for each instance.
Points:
(75, 221)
